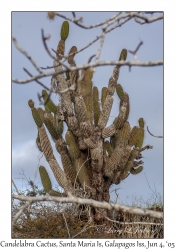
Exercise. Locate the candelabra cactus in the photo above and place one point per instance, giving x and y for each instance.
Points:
(93, 156)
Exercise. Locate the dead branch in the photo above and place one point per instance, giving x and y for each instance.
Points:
(20, 212)
(93, 64)
(77, 21)
(153, 135)
(137, 48)
(40, 83)
(26, 54)
(105, 205)
(117, 17)
(45, 45)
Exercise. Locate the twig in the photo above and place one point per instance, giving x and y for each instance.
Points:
(105, 205)
(50, 92)
(146, 147)
(153, 135)
(15, 187)
(20, 212)
(66, 225)
(134, 223)
(45, 45)
(40, 83)
(137, 48)
(73, 13)
(26, 54)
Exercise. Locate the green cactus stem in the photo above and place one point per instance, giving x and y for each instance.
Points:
(140, 138)
(133, 136)
(45, 143)
(46, 182)
(123, 55)
(41, 113)
(104, 93)
(104, 115)
(136, 170)
(31, 104)
(50, 127)
(141, 122)
(64, 30)
(82, 172)
(72, 144)
(38, 143)
(72, 52)
(59, 125)
(49, 103)
(113, 161)
(96, 105)
(124, 132)
(36, 117)
(120, 92)
(68, 167)
(55, 193)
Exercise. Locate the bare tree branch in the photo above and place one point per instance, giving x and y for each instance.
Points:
(94, 64)
(117, 17)
(26, 54)
(45, 45)
(135, 222)
(153, 135)
(105, 205)
(15, 187)
(20, 212)
(137, 48)
(66, 225)
(145, 19)
(77, 21)
(40, 83)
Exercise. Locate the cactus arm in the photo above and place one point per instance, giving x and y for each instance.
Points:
(68, 167)
(48, 153)
(108, 148)
(73, 75)
(72, 144)
(64, 30)
(82, 173)
(45, 143)
(60, 175)
(136, 170)
(46, 182)
(140, 138)
(120, 119)
(45, 179)
(96, 105)
(113, 161)
(104, 93)
(50, 126)
(35, 114)
(109, 131)
(104, 116)
(49, 104)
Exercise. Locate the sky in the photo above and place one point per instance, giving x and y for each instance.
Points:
(143, 84)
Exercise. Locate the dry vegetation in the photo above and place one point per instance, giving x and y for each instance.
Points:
(43, 220)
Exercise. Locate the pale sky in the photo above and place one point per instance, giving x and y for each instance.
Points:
(143, 84)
